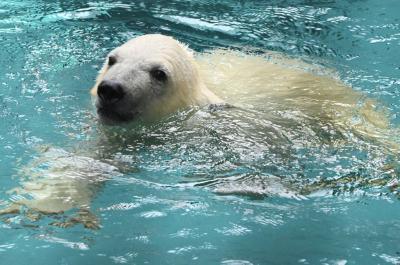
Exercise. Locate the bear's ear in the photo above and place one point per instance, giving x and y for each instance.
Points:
(186, 48)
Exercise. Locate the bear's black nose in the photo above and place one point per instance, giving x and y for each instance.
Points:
(110, 91)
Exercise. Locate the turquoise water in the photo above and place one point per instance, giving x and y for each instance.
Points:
(163, 208)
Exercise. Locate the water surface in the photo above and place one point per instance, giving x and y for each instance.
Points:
(163, 209)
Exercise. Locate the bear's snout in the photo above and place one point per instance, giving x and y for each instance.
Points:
(110, 92)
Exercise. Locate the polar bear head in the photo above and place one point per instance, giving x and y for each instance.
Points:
(147, 77)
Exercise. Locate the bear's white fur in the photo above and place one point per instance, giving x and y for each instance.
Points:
(272, 82)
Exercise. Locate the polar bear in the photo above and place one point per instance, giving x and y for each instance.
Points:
(152, 76)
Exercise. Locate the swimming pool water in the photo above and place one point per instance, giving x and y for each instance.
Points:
(162, 209)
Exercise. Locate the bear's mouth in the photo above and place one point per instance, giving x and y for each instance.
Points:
(110, 116)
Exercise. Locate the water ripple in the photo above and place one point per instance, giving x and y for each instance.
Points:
(165, 204)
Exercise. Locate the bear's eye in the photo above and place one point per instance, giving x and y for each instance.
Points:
(159, 75)
(112, 60)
